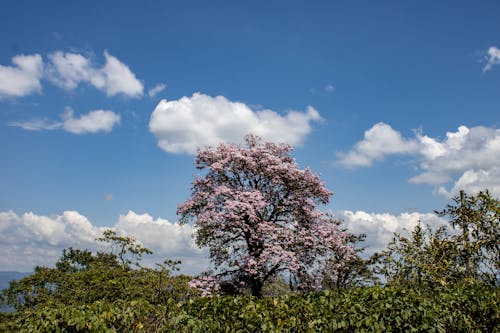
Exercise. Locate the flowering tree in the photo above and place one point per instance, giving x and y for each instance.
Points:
(256, 211)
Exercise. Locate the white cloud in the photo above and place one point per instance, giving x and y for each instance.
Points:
(183, 125)
(68, 70)
(23, 78)
(29, 239)
(379, 141)
(160, 235)
(492, 59)
(473, 181)
(156, 89)
(92, 122)
(380, 227)
(469, 157)
(68, 229)
(117, 78)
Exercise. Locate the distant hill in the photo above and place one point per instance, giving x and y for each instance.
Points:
(5, 278)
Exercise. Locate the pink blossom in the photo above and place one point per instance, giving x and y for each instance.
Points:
(206, 285)
(257, 213)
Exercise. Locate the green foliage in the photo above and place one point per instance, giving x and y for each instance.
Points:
(126, 248)
(83, 277)
(112, 292)
(118, 316)
(477, 221)
(94, 291)
(469, 252)
(421, 259)
(276, 286)
(373, 309)
(462, 308)
(75, 260)
(367, 309)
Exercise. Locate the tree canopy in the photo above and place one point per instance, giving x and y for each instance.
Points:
(257, 212)
(466, 249)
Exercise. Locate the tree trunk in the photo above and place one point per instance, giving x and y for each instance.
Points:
(256, 287)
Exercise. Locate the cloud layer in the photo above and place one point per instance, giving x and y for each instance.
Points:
(91, 122)
(183, 125)
(380, 227)
(23, 78)
(469, 157)
(29, 239)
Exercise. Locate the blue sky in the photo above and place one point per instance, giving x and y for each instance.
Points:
(366, 91)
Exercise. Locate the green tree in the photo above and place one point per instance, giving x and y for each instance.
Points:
(84, 277)
(126, 248)
(424, 258)
(476, 219)
(467, 250)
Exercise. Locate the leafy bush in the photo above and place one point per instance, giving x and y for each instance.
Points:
(373, 309)
(463, 308)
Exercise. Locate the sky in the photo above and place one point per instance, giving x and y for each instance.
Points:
(103, 104)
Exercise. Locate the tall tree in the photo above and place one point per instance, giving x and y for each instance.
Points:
(426, 257)
(476, 218)
(257, 213)
(470, 251)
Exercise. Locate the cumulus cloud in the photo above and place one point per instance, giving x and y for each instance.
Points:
(379, 141)
(473, 181)
(161, 235)
(183, 125)
(380, 227)
(30, 231)
(156, 89)
(23, 78)
(469, 157)
(29, 239)
(493, 58)
(68, 70)
(91, 122)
